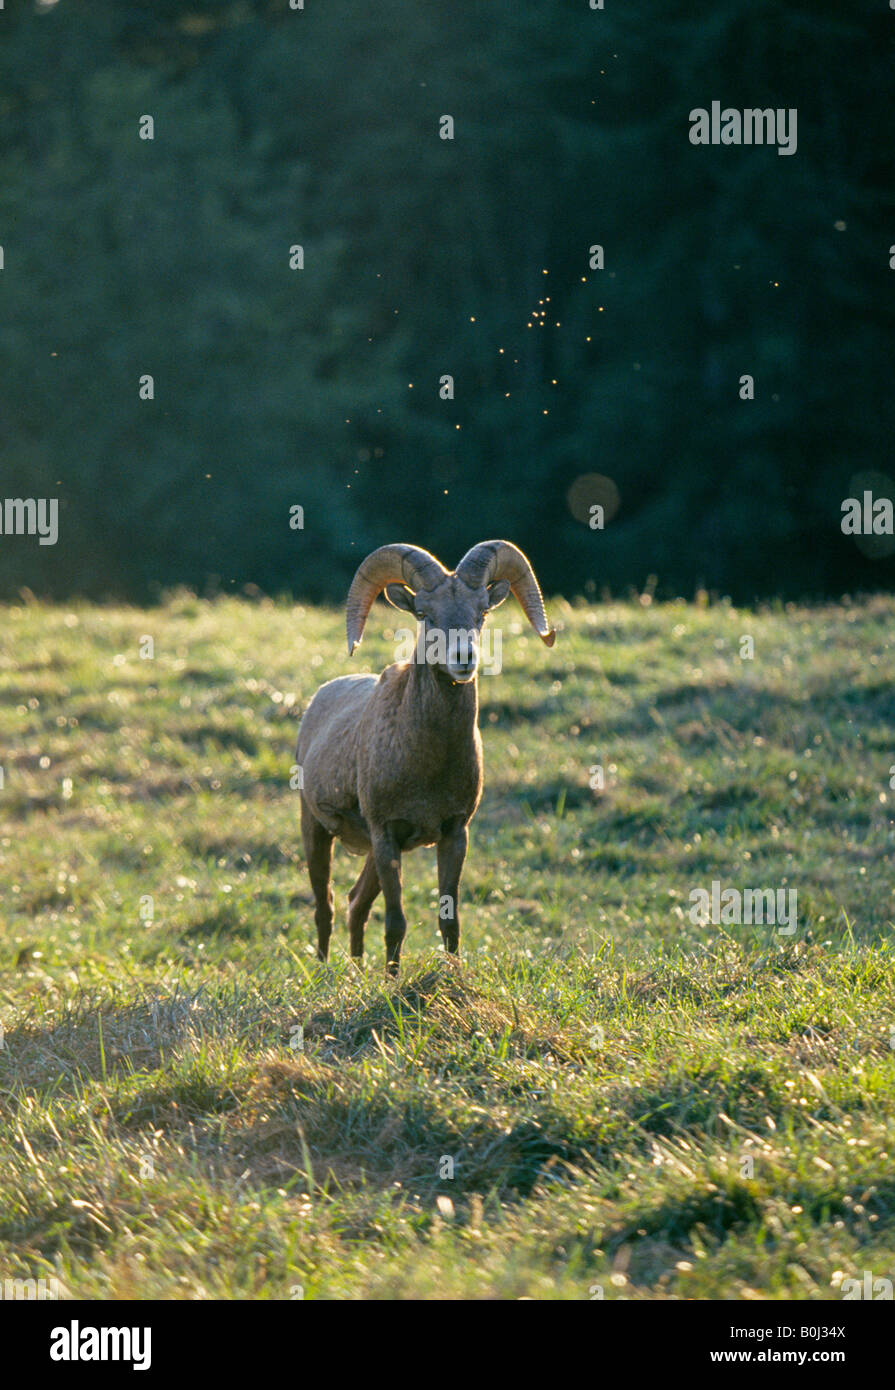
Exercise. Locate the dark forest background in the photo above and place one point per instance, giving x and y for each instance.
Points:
(277, 388)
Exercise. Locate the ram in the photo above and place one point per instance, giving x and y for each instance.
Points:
(392, 762)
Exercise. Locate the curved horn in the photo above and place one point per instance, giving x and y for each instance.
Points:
(491, 560)
(390, 564)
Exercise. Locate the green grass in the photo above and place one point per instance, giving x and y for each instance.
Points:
(633, 1104)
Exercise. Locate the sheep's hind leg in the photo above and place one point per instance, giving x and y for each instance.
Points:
(318, 845)
(360, 900)
(451, 857)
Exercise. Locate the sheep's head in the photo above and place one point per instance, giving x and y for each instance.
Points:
(450, 606)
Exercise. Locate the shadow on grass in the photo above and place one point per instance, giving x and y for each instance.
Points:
(243, 851)
(93, 1042)
(745, 709)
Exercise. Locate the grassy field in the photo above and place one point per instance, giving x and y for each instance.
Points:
(633, 1105)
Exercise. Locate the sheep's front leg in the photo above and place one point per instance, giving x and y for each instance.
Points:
(387, 858)
(451, 856)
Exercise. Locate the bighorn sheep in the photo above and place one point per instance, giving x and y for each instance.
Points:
(393, 762)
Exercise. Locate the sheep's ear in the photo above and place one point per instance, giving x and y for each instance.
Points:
(399, 596)
(497, 593)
